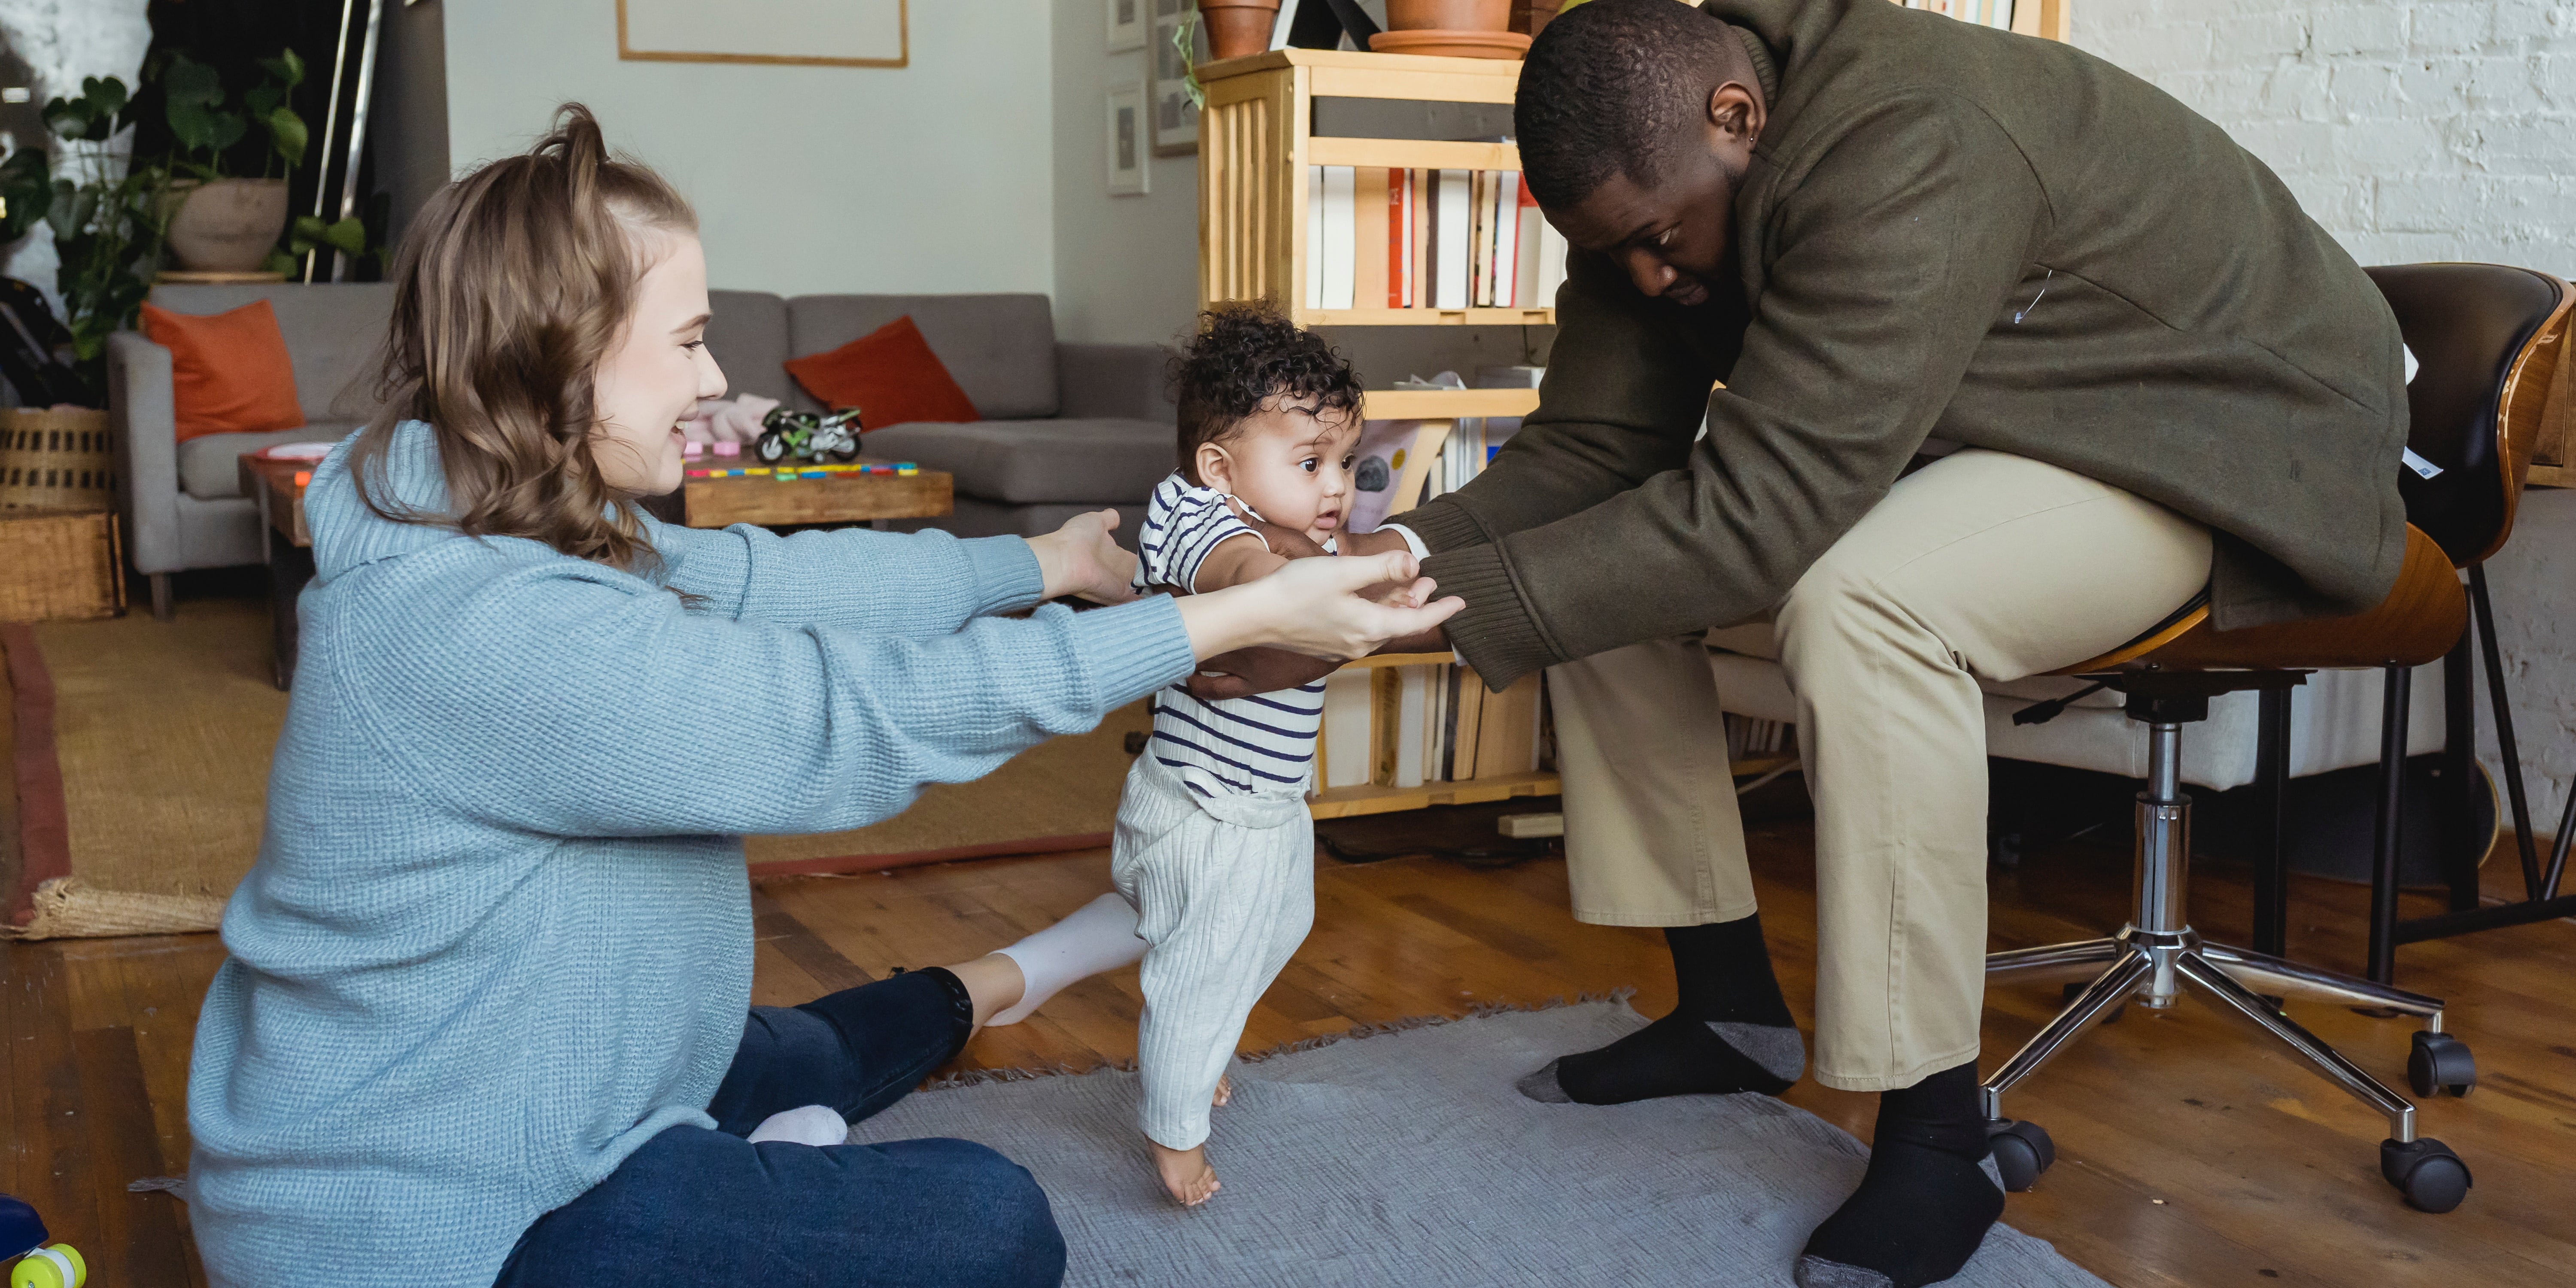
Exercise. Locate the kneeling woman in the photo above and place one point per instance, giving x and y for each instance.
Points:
(485, 1011)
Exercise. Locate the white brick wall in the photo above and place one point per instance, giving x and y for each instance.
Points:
(2413, 130)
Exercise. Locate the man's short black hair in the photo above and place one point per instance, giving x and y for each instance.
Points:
(1609, 86)
(1243, 356)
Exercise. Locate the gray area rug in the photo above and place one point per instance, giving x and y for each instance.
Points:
(1408, 1158)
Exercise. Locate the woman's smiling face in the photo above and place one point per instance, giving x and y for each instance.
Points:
(653, 379)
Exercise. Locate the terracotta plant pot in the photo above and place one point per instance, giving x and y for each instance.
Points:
(226, 226)
(1238, 27)
(1448, 15)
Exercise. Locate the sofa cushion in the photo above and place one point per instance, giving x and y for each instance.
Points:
(210, 464)
(890, 374)
(747, 334)
(335, 330)
(1000, 348)
(229, 372)
(1020, 462)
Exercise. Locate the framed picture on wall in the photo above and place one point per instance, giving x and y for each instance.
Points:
(832, 33)
(1176, 118)
(1130, 146)
(1126, 24)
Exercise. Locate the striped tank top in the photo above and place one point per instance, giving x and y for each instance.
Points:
(1258, 745)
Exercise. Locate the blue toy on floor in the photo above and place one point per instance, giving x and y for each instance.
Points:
(22, 1236)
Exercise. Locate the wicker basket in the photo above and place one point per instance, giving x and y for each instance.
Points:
(56, 460)
(63, 566)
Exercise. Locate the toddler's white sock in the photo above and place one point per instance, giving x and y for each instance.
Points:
(812, 1125)
(1099, 936)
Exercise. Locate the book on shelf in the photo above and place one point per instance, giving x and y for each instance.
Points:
(1421, 238)
(1526, 246)
(1451, 234)
(1340, 236)
(1314, 237)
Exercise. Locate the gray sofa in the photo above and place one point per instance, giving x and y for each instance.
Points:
(1070, 427)
(183, 502)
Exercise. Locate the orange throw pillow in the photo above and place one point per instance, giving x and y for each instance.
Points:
(889, 374)
(229, 372)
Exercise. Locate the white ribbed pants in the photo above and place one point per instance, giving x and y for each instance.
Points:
(1224, 890)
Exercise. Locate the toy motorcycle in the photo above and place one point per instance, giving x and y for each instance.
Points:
(22, 1236)
(787, 433)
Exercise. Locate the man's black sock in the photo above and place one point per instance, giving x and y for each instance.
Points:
(1729, 1032)
(1926, 1201)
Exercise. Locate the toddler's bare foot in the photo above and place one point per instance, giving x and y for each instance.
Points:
(1186, 1174)
(1224, 1090)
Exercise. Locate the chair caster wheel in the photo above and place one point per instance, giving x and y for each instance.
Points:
(2021, 1152)
(2425, 1170)
(2439, 1062)
(2073, 991)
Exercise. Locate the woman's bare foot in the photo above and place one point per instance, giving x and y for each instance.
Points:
(1186, 1174)
(1224, 1091)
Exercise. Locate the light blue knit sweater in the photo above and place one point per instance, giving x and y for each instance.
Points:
(499, 933)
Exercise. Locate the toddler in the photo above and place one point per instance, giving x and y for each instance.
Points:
(1213, 856)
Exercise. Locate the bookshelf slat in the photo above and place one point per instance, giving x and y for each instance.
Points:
(1424, 154)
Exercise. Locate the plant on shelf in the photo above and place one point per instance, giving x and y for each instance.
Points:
(112, 221)
(219, 221)
(107, 225)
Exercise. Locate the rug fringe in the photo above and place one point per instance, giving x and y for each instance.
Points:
(70, 908)
(1357, 1032)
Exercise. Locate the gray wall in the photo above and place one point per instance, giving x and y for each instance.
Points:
(2413, 130)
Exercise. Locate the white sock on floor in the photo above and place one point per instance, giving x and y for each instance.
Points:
(812, 1125)
(1099, 936)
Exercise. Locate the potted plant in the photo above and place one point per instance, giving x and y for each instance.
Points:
(1238, 27)
(220, 222)
(106, 224)
(1448, 15)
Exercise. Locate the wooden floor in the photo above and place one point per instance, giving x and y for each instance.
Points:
(2187, 1154)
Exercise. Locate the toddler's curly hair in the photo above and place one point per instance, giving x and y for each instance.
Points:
(1243, 356)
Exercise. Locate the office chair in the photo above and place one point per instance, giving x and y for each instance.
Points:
(2490, 341)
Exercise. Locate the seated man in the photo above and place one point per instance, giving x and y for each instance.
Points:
(1879, 226)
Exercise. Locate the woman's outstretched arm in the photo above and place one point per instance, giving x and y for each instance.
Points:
(547, 699)
(914, 584)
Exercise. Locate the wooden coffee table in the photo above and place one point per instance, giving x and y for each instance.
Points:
(724, 490)
(278, 488)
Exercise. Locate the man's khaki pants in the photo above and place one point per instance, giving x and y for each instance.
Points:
(1978, 566)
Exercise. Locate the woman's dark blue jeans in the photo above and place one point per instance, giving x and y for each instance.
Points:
(708, 1207)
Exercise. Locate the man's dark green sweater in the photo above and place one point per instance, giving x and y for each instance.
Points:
(1946, 231)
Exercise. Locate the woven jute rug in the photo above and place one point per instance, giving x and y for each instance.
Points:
(140, 750)
(1407, 1157)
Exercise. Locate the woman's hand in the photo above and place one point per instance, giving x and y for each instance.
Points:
(1315, 607)
(1080, 559)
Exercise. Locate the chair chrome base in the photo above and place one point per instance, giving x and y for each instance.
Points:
(2151, 967)
(2157, 954)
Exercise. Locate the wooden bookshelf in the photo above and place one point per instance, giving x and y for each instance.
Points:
(1255, 144)
(1343, 802)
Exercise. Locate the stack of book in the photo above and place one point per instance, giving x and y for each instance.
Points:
(1404, 726)
(1427, 239)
